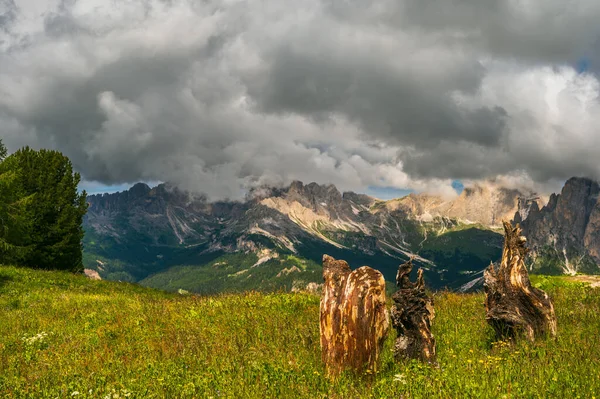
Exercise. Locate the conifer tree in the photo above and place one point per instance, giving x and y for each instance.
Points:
(3, 151)
(43, 198)
(10, 210)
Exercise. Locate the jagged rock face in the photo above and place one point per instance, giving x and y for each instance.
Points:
(566, 232)
(591, 238)
(526, 206)
(162, 215)
(312, 202)
(485, 203)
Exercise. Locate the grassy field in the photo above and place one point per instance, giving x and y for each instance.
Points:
(63, 336)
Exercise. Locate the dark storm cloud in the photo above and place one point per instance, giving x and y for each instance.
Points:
(218, 95)
(397, 106)
(532, 30)
(8, 11)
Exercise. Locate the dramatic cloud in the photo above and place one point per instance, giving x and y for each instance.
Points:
(220, 96)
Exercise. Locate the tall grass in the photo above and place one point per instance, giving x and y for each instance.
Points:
(65, 336)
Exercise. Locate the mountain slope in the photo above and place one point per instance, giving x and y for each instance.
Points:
(171, 239)
(485, 204)
(564, 236)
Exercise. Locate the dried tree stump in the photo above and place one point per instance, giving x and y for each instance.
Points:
(354, 319)
(513, 306)
(412, 314)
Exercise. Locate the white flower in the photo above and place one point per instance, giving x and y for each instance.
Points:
(400, 378)
(35, 338)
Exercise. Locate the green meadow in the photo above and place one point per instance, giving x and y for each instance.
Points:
(65, 336)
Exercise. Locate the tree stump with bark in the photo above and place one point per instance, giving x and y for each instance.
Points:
(513, 306)
(354, 319)
(412, 314)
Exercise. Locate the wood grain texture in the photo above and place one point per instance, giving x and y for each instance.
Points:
(513, 306)
(354, 319)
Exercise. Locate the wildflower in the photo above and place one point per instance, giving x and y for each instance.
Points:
(400, 378)
(40, 337)
(74, 393)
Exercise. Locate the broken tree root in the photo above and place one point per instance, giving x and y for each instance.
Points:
(412, 314)
(513, 306)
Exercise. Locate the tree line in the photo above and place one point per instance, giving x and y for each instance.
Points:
(41, 210)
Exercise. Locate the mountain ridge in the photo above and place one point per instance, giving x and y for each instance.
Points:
(146, 231)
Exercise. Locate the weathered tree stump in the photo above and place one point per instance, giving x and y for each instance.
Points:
(513, 306)
(412, 314)
(354, 319)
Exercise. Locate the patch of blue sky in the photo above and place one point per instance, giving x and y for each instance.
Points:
(583, 65)
(458, 186)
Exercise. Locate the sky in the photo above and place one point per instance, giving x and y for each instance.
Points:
(222, 96)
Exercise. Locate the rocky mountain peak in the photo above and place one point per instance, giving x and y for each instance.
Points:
(552, 202)
(139, 190)
(577, 200)
(313, 194)
(296, 187)
(567, 230)
(527, 205)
